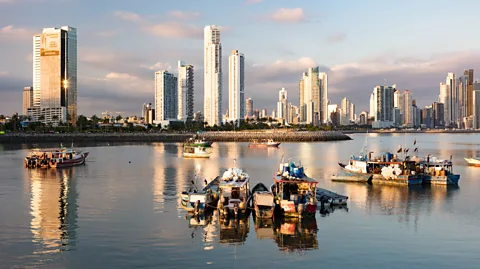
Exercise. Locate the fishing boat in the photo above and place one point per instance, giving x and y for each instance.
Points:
(195, 152)
(55, 158)
(234, 193)
(294, 191)
(262, 201)
(386, 169)
(198, 143)
(269, 143)
(473, 161)
(436, 171)
(200, 201)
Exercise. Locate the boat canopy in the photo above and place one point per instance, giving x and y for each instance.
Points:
(305, 179)
(264, 198)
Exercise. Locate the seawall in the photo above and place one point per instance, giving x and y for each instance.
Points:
(21, 138)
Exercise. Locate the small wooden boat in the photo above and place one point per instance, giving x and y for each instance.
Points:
(263, 203)
(331, 198)
(200, 201)
(473, 161)
(264, 144)
(195, 152)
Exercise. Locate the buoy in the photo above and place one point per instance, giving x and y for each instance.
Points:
(129, 161)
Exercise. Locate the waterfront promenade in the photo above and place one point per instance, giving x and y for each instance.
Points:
(239, 136)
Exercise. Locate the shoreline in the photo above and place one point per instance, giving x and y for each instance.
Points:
(413, 131)
(29, 138)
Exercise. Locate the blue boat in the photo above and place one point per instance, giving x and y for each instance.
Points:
(437, 172)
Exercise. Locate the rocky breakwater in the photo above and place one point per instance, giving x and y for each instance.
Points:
(276, 135)
(22, 138)
(240, 136)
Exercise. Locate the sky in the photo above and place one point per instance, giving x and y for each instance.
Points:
(359, 44)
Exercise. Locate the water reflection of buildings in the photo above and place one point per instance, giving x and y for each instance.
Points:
(53, 208)
(404, 202)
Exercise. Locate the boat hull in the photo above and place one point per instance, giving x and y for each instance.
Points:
(188, 205)
(196, 155)
(260, 145)
(441, 180)
(473, 162)
(205, 144)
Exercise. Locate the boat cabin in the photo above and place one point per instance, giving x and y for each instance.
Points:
(435, 167)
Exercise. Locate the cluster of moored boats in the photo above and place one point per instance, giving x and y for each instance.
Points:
(390, 168)
(55, 158)
(292, 194)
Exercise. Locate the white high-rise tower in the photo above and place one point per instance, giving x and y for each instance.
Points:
(236, 96)
(185, 91)
(212, 75)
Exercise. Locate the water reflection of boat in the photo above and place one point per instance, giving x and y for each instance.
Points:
(234, 231)
(327, 210)
(296, 235)
(264, 228)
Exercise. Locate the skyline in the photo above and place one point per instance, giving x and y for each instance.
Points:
(117, 63)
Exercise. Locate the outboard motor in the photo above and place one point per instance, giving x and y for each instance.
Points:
(235, 210)
(196, 207)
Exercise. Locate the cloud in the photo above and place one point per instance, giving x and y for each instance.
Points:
(128, 16)
(184, 15)
(6, 1)
(10, 32)
(338, 37)
(159, 66)
(175, 30)
(3, 73)
(249, 2)
(107, 33)
(286, 15)
(120, 76)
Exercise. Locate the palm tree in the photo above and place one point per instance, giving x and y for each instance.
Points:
(2, 117)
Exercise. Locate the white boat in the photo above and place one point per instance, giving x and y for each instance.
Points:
(473, 161)
(200, 201)
(234, 193)
(195, 152)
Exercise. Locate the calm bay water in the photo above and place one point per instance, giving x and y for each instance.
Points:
(121, 210)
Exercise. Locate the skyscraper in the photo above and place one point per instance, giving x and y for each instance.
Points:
(282, 105)
(453, 101)
(165, 96)
(346, 115)
(27, 99)
(185, 91)
(212, 75)
(313, 101)
(324, 99)
(55, 74)
(445, 98)
(382, 103)
(249, 107)
(404, 102)
(236, 81)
